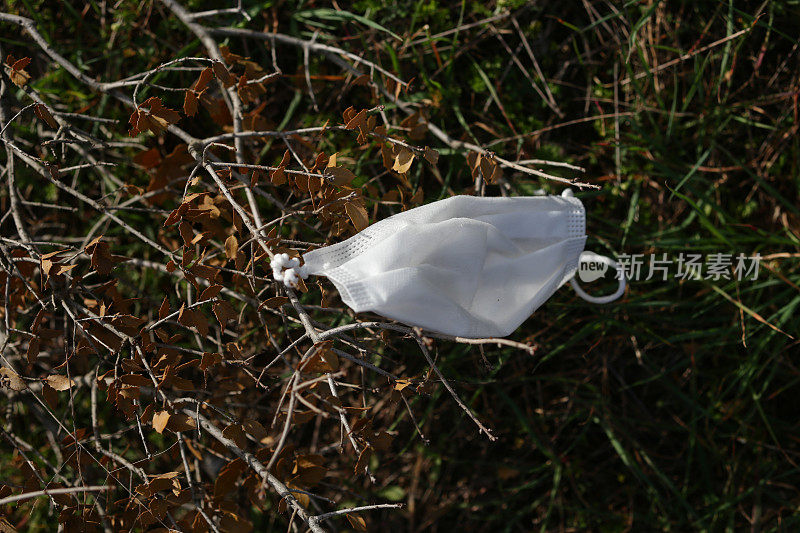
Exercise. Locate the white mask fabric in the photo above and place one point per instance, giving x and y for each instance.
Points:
(465, 266)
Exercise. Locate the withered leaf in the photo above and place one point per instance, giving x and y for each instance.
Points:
(226, 479)
(160, 421)
(236, 434)
(340, 176)
(10, 379)
(357, 522)
(274, 303)
(301, 182)
(241, 260)
(19, 64)
(231, 247)
(43, 113)
(487, 167)
(401, 384)
(18, 74)
(358, 120)
(381, 441)
(60, 382)
(322, 360)
(209, 359)
(363, 460)
(473, 159)
(33, 350)
(190, 104)
(417, 198)
(249, 92)
(180, 422)
(223, 74)
(202, 81)
(187, 234)
(287, 156)
(278, 176)
(497, 174)
(136, 379)
(224, 312)
(149, 158)
(210, 292)
(358, 215)
(403, 160)
(388, 154)
(152, 115)
(255, 429)
(431, 155)
(201, 323)
(163, 311)
(50, 395)
(182, 383)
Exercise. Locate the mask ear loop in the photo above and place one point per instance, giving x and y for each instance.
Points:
(591, 256)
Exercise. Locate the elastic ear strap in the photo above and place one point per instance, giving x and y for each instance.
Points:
(600, 299)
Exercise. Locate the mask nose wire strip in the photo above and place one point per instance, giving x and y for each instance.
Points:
(600, 299)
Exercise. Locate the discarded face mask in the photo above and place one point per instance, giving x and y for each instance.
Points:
(465, 266)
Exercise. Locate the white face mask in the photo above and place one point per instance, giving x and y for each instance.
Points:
(465, 266)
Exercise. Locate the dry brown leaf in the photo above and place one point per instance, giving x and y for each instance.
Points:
(33, 350)
(223, 74)
(388, 154)
(180, 422)
(278, 176)
(357, 522)
(202, 81)
(401, 384)
(187, 234)
(211, 292)
(160, 421)
(224, 312)
(497, 174)
(136, 379)
(363, 460)
(340, 176)
(50, 395)
(473, 160)
(358, 215)
(10, 379)
(226, 479)
(487, 167)
(274, 303)
(152, 115)
(190, 104)
(357, 120)
(255, 429)
(231, 246)
(209, 359)
(60, 382)
(431, 155)
(43, 113)
(236, 434)
(19, 76)
(403, 160)
(163, 311)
